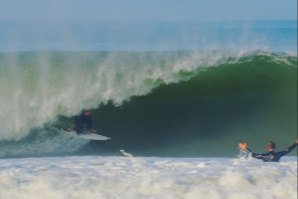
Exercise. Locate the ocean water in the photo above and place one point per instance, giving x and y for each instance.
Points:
(177, 104)
(148, 36)
(178, 96)
(129, 177)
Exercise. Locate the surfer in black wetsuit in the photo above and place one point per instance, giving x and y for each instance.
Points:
(83, 123)
(271, 156)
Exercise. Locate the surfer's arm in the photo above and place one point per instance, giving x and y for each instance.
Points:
(261, 156)
(257, 155)
(89, 123)
(288, 150)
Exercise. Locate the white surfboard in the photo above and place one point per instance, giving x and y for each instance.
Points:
(90, 136)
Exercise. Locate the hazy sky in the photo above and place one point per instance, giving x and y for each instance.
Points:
(148, 10)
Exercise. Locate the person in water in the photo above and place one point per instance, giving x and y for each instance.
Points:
(83, 123)
(271, 155)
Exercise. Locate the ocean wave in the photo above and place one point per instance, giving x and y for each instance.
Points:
(36, 87)
(148, 92)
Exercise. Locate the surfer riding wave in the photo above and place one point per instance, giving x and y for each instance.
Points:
(83, 123)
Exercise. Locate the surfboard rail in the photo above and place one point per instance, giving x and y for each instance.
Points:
(89, 136)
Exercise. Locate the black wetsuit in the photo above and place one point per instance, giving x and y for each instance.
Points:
(83, 123)
(273, 156)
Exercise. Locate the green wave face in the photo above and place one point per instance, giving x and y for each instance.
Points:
(150, 103)
(253, 100)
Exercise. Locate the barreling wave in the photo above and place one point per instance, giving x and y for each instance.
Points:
(177, 100)
(36, 87)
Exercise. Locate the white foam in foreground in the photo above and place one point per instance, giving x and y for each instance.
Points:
(164, 178)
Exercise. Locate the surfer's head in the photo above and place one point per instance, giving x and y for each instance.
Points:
(87, 113)
(271, 146)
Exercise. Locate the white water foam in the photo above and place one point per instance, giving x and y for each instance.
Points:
(43, 144)
(129, 177)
